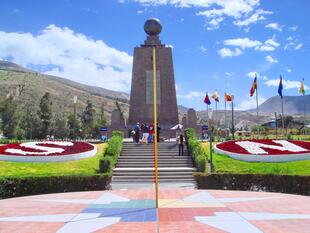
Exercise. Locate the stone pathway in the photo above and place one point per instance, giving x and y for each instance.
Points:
(180, 210)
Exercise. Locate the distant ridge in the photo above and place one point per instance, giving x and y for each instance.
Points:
(292, 105)
(29, 86)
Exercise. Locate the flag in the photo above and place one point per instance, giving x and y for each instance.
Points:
(254, 86)
(215, 96)
(280, 88)
(228, 98)
(207, 100)
(302, 88)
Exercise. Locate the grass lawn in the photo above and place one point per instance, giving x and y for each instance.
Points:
(225, 164)
(87, 166)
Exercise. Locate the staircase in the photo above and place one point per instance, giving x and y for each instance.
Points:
(136, 164)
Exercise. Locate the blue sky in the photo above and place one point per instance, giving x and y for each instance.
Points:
(217, 44)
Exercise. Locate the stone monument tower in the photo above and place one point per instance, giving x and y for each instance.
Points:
(141, 96)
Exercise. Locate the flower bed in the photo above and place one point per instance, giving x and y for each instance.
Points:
(46, 151)
(265, 150)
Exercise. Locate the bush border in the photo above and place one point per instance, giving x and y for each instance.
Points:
(255, 182)
(17, 187)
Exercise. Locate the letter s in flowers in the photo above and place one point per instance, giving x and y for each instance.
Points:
(43, 150)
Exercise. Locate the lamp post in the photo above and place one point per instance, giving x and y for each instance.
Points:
(75, 98)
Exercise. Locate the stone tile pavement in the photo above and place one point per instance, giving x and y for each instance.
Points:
(180, 210)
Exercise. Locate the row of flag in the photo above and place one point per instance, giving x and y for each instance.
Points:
(229, 98)
(215, 96)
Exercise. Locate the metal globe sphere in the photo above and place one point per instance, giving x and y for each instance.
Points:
(152, 27)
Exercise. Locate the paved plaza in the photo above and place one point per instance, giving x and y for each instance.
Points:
(180, 210)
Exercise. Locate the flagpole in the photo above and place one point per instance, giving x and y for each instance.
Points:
(207, 114)
(232, 118)
(225, 112)
(257, 106)
(155, 124)
(216, 113)
(282, 113)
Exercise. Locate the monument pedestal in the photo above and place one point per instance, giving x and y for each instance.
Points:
(141, 96)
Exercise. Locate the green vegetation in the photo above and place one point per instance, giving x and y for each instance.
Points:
(225, 164)
(26, 121)
(113, 150)
(196, 149)
(85, 167)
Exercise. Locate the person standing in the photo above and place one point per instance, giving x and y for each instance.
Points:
(151, 132)
(137, 131)
(181, 144)
(158, 132)
(145, 135)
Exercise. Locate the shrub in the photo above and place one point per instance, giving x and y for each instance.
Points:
(255, 182)
(195, 150)
(200, 162)
(23, 186)
(118, 133)
(114, 148)
(105, 164)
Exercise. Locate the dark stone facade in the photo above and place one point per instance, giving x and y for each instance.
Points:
(141, 96)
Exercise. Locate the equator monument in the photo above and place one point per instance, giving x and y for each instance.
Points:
(141, 96)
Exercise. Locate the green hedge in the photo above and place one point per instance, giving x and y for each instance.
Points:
(114, 148)
(195, 149)
(15, 187)
(255, 182)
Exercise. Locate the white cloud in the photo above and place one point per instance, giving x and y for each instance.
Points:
(226, 52)
(139, 12)
(290, 38)
(293, 29)
(182, 20)
(192, 95)
(252, 74)
(293, 45)
(287, 84)
(203, 49)
(288, 70)
(250, 103)
(229, 74)
(270, 59)
(299, 46)
(274, 26)
(242, 42)
(215, 11)
(254, 18)
(269, 45)
(68, 54)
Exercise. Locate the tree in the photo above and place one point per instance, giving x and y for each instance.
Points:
(60, 130)
(8, 114)
(101, 121)
(88, 119)
(74, 129)
(30, 123)
(45, 114)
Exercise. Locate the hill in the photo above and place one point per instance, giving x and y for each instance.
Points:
(28, 87)
(292, 105)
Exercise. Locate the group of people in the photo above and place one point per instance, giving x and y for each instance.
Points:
(148, 133)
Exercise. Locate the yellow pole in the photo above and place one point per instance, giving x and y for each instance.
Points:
(155, 124)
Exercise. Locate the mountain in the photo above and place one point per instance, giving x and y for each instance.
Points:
(28, 87)
(292, 105)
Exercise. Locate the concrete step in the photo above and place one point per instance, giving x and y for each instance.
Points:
(175, 174)
(152, 165)
(143, 179)
(160, 158)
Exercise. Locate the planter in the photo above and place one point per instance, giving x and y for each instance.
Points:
(265, 150)
(47, 151)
